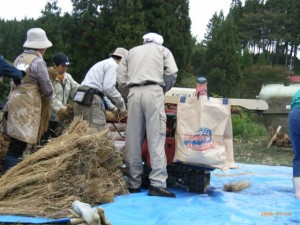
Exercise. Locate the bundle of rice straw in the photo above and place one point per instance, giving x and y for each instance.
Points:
(66, 116)
(81, 164)
(4, 143)
(112, 117)
(236, 186)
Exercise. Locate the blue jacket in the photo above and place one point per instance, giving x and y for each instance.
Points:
(7, 70)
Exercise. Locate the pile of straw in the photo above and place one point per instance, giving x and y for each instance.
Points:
(81, 164)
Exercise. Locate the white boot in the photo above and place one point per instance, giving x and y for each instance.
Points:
(296, 183)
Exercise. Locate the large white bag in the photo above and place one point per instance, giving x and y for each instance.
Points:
(204, 132)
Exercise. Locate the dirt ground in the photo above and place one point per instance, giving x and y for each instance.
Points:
(256, 152)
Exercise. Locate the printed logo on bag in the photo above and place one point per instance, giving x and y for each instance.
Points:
(182, 99)
(200, 141)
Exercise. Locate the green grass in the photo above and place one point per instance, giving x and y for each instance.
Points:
(250, 140)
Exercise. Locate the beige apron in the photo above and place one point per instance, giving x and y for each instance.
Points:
(24, 108)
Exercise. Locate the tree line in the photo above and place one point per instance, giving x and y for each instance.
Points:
(255, 43)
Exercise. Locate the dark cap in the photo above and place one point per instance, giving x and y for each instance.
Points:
(61, 59)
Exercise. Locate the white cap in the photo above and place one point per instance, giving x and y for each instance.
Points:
(153, 37)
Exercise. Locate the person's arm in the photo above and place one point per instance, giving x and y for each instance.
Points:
(109, 105)
(56, 103)
(109, 86)
(122, 73)
(7, 70)
(43, 79)
(74, 86)
(170, 70)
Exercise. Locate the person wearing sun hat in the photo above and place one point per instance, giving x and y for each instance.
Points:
(65, 87)
(101, 78)
(27, 109)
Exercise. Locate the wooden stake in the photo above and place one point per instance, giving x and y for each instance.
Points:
(273, 136)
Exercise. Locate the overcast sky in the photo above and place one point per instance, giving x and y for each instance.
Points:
(201, 11)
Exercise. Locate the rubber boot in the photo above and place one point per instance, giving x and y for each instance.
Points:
(296, 183)
(9, 162)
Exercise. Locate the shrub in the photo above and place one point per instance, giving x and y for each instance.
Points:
(248, 127)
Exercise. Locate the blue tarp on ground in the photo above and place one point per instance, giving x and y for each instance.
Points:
(269, 200)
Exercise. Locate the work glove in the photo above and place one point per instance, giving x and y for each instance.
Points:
(115, 110)
(120, 113)
(22, 67)
(83, 213)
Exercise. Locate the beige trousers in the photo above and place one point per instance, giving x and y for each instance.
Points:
(94, 114)
(146, 116)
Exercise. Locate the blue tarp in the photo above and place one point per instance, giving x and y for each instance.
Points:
(269, 200)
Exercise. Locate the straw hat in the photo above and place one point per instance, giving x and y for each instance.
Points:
(37, 39)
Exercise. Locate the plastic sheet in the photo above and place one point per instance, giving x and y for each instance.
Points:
(269, 200)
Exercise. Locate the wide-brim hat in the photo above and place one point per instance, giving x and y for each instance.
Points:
(37, 39)
(120, 52)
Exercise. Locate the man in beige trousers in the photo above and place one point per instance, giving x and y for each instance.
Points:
(149, 70)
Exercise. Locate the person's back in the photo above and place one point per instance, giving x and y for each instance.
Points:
(28, 105)
(100, 81)
(149, 71)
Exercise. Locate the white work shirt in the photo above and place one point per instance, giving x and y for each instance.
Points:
(103, 76)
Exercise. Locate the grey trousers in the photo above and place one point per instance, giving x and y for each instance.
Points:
(94, 114)
(146, 115)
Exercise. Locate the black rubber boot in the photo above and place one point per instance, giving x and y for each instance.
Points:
(161, 192)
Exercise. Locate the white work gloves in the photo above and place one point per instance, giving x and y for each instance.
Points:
(83, 213)
(120, 113)
(22, 66)
(120, 110)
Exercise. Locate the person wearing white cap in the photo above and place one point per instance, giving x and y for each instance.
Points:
(28, 104)
(149, 70)
(101, 80)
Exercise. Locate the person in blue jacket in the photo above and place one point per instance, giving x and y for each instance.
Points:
(294, 129)
(7, 70)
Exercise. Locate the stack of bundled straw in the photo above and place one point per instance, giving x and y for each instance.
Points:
(81, 164)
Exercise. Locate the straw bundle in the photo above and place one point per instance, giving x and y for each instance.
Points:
(4, 143)
(115, 117)
(66, 116)
(236, 186)
(81, 164)
(45, 116)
